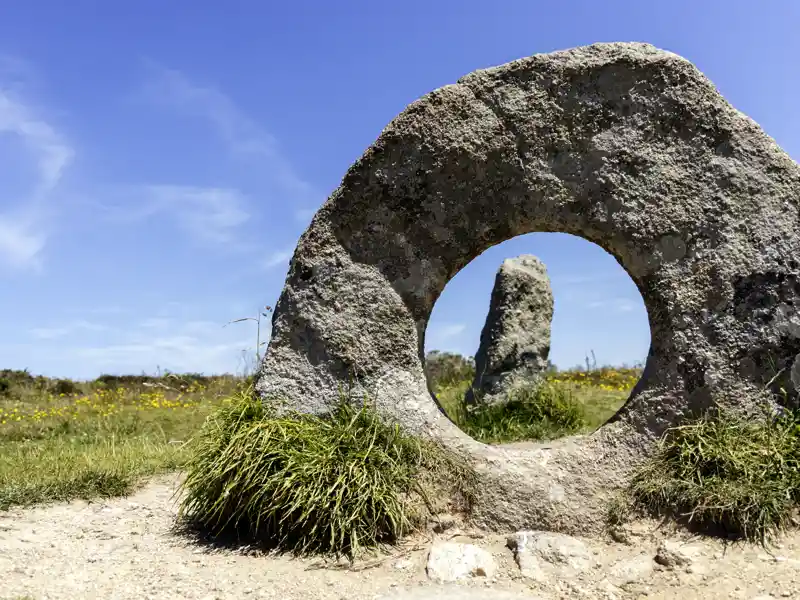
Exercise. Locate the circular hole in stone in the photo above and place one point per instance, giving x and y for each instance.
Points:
(560, 341)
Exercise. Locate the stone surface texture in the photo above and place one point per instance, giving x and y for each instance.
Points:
(541, 555)
(631, 570)
(673, 554)
(623, 144)
(452, 561)
(515, 340)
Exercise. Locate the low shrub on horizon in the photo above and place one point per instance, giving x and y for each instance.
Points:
(446, 369)
(22, 383)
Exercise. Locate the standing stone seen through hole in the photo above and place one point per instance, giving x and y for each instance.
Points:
(515, 340)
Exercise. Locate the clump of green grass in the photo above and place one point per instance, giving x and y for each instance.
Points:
(725, 474)
(567, 402)
(445, 369)
(308, 484)
(534, 412)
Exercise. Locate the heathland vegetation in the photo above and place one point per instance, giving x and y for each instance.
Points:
(348, 480)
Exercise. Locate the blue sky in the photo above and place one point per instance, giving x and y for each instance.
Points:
(158, 160)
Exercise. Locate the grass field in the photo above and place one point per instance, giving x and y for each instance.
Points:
(98, 438)
(568, 402)
(61, 440)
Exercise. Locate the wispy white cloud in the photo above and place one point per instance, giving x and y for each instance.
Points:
(278, 258)
(242, 135)
(180, 353)
(450, 330)
(51, 152)
(192, 346)
(21, 243)
(50, 333)
(625, 305)
(610, 278)
(202, 327)
(615, 304)
(23, 227)
(304, 215)
(103, 310)
(200, 345)
(155, 323)
(211, 215)
(444, 336)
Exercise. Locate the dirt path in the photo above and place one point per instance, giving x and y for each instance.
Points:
(124, 549)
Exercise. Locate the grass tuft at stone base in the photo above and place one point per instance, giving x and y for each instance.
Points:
(723, 474)
(309, 484)
(539, 412)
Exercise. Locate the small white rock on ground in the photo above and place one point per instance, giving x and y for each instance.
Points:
(541, 555)
(449, 561)
(452, 592)
(124, 549)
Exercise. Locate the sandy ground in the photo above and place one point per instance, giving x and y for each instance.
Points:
(125, 549)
